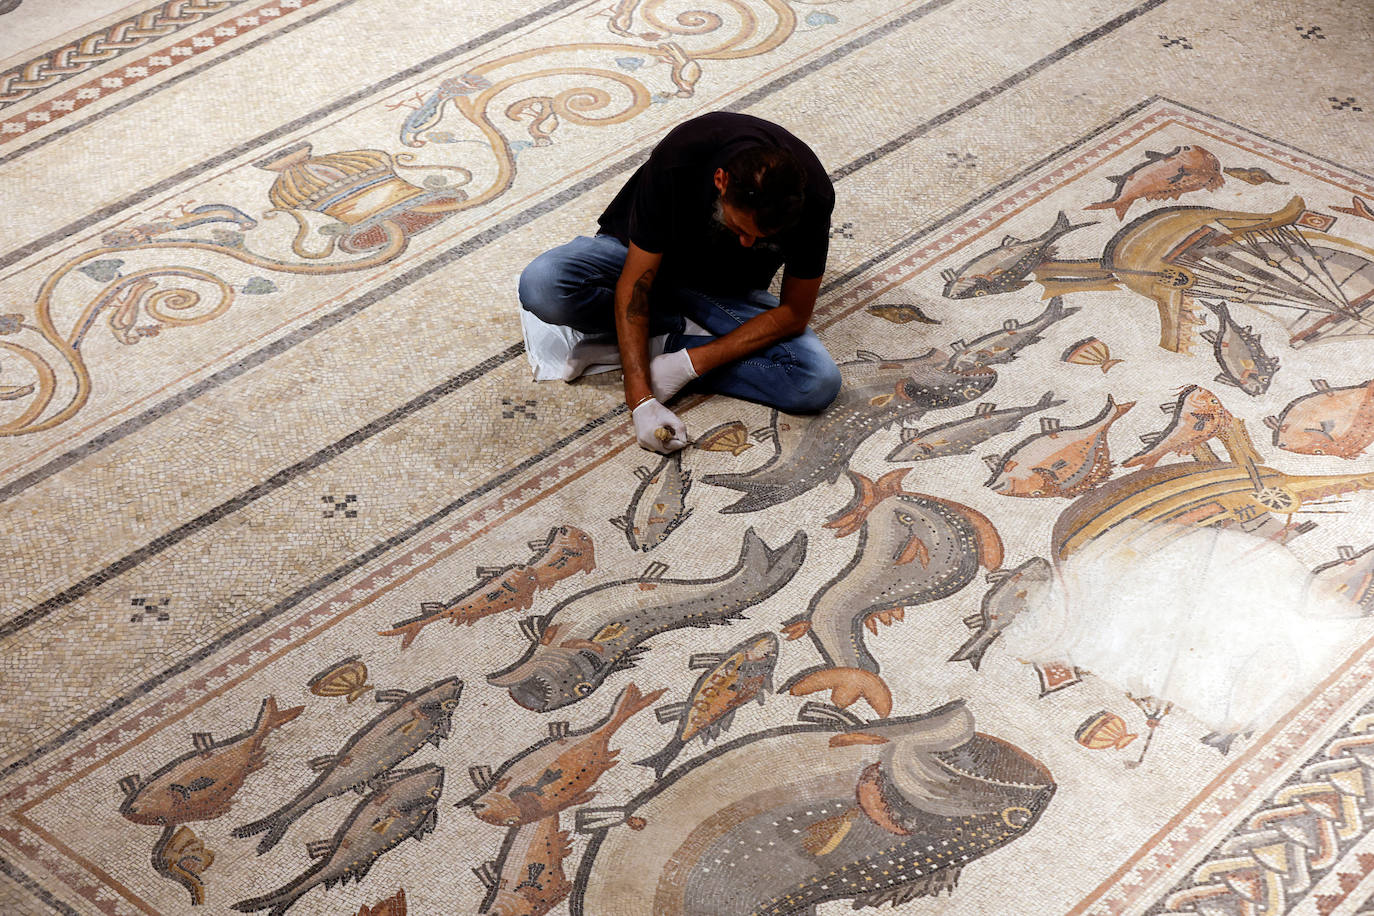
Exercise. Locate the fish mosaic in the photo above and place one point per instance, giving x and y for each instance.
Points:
(960, 437)
(200, 785)
(901, 313)
(527, 878)
(565, 551)
(739, 675)
(1012, 591)
(1330, 421)
(602, 630)
(779, 822)
(659, 504)
(1239, 352)
(395, 905)
(730, 437)
(1058, 461)
(876, 393)
(1358, 207)
(1004, 269)
(911, 549)
(1102, 731)
(410, 721)
(1253, 175)
(1163, 176)
(403, 806)
(1196, 416)
(1090, 352)
(1349, 577)
(183, 858)
(346, 678)
(1002, 345)
(556, 773)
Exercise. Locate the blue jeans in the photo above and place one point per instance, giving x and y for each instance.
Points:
(574, 285)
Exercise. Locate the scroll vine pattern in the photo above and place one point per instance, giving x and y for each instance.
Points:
(343, 189)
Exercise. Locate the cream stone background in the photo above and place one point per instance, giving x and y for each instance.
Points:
(216, 503)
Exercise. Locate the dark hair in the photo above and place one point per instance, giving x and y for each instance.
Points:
(768, 182)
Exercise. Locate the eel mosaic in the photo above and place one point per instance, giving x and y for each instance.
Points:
(912, 549)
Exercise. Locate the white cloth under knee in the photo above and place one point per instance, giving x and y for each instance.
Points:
(558, 352)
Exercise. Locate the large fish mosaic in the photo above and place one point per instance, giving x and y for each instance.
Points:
(527, 876)
(777, 823)
(200, 785)
(1163, 176)
(602, 630)
(404, 805)
(739, 675)
(1330, 421)
(410, 721)
(876, 393)
(556, 773)
(960, 437)
(1058, 461)
(565, 551)
(912, 549)
(1001, 346)
(1005, 268)
(659, 504)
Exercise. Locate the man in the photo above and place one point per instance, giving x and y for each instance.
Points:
(697, 234)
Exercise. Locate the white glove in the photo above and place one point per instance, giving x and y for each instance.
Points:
(651, 417)
(669, 373)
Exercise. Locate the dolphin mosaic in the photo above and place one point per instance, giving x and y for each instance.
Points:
(876, 393)
(602, 630)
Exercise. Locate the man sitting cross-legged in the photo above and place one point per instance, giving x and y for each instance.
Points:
(697, 234)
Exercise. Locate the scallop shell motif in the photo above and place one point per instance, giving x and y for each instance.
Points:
(347, 678)
(1090, 352)
(1104, 730)
(184, 859)
(729, 437)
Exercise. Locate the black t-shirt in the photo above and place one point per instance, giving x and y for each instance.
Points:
(668, 207)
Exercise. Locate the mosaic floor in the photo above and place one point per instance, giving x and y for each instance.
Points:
(314, 600)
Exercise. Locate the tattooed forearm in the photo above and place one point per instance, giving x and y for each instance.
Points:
(638, 307)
